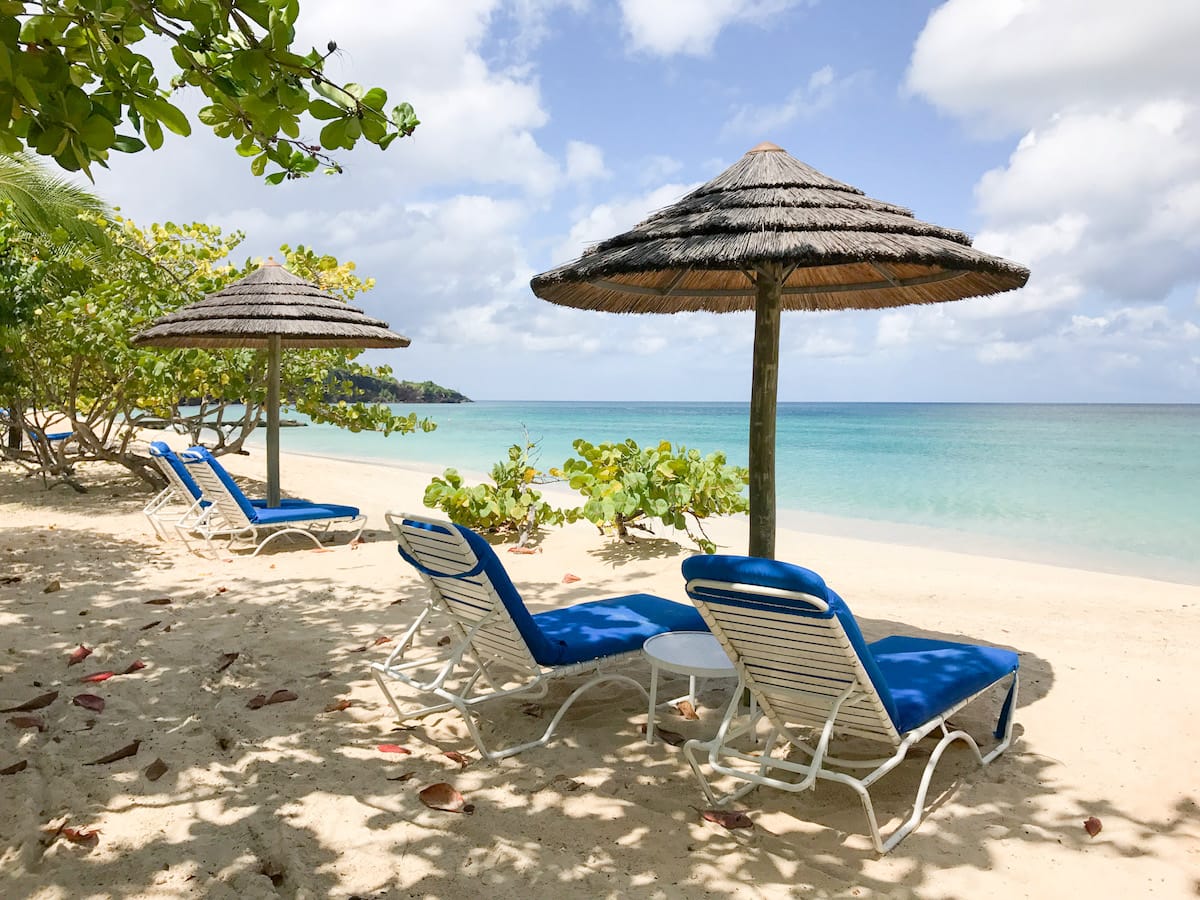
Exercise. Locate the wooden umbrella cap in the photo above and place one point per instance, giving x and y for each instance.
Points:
(766, 147)
(270, 262)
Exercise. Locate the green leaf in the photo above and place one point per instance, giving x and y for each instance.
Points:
(320, 109)
(153, 132)
(275, 177)
(259, 164)
(166, 114)
(128, 144)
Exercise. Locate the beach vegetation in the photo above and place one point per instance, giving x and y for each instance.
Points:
(626, 486)
(509, 505)
(75, 88)
(69, 350)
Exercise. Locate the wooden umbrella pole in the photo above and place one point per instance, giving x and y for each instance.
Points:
(764, 391)
(275, 348)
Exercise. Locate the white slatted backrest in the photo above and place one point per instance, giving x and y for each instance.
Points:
(797, 666)
(469, 599)
(182, 493)
(214, 491)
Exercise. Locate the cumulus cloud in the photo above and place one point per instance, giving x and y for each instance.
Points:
(585, 162)
(617, 215)
(670, 27)
(820, 92)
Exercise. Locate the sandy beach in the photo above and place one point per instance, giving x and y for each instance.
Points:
(291, 800)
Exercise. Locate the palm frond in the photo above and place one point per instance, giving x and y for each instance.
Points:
(43, 202)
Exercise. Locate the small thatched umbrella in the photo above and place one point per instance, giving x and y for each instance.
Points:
(772, 233)
(270, 308)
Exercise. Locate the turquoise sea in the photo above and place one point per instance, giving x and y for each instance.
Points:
(1106, 487)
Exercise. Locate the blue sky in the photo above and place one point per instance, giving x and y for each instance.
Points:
(1064, 134)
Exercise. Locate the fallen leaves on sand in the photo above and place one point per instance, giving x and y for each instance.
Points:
(322, 675)
(569, 578)
(89, 836)
(39, 702)
(397, 601)
(525, 551)
(258, 701)
(393, 748)
(155, 770)
(462, 761)
(338, 706)
(160, 601)
(444, 641)
(532, 709)
(222, 589)
(28, 722)
(151, 625)
(674, 738)
(52, 587)
(563, 783)
(126, 751)
(227, 660)
(16, 767)
(78, 655)
(727, 818)
(10, 579)
(407, 776)
(89, 701)
(136, 666)
(97, 677)
(1092, 826)
(444, 797)
(688, 711)
(382, 639)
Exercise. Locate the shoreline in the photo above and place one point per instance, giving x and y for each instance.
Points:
(882, 531)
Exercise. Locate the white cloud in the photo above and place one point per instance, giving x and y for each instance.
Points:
(1008, 63)
(820, 92)
(585, 162)
(1003, 352)
(620, 214)
(669, 27)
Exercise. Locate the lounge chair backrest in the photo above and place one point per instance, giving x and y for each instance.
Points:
(467, 579)
(174, 471)
(217, 486)
(794, 642)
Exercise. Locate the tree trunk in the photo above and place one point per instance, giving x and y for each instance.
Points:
(764, 391)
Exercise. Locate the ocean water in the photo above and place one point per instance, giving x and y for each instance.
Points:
(1108, 487)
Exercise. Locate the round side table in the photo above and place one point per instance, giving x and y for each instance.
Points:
(696, 654)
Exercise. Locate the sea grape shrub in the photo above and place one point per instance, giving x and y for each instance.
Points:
(625, 486)
(509, 505)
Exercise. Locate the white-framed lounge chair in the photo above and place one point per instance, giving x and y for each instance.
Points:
(499, 642)
(181, 500)
(231, 514)
(799, 651)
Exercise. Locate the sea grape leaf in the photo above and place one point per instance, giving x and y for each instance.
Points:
(444, 797)
(39, 702)
(126, 751)
(727, 818)
(89, 701)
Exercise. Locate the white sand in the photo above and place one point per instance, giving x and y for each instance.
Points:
(1108, 726)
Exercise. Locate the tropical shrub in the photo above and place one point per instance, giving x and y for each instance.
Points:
(625, 486)
(509, 505)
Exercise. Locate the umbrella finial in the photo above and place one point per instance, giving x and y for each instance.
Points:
(766, 147)
(270, 262)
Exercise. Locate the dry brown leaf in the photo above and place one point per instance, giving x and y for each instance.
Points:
(688, 711)
(89, 701)
(462, 761)
(674, 738)
(155, 770)
(382, 639)
(81, 835)
(443, 796)
(10, 579)
(222, 590)
(322, 675)
(393, 748)
(126, 751)
(227, 660)
(1092, 826)
(97, 677)
(258, 701)
(28, 722)
(151, 625)
(160, 601)
(338, 706)
(282, 696)
(16, 767)
(396, 602)
(52, 587)
(136, 666)
(532, 709)
(727, 818)
(407, 776)
(569, 578)
(39, 702)
(444, 640)
(78, 655)
(524, 551)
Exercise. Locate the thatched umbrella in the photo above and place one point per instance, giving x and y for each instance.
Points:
(270, 308)
(772, 233)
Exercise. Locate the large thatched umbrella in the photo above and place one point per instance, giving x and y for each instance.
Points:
(270, 308)
(772, 233)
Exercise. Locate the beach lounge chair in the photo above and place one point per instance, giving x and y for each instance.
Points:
(181, 499)
(799, 651)
(232, 515)
(499, 642)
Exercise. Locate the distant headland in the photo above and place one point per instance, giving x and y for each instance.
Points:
(372, 389)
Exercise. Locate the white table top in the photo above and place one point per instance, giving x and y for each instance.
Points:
(689, 653)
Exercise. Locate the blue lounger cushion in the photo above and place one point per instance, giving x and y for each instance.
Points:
(916, 678)
(586, 631)
(302, 512)
(158, 448)
(608, 627)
